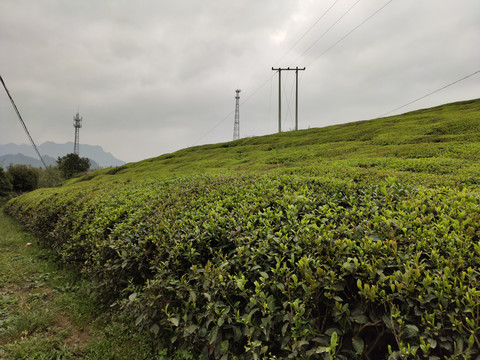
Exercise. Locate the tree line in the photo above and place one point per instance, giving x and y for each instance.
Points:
(18, 179)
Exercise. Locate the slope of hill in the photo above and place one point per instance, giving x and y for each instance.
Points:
(447, 135)
(357, 241)
(54, 150)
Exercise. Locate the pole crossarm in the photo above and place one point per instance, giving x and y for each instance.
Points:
(289, 68)
(296, 69)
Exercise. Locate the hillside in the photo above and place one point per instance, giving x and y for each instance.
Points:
(356, 241)
(447, 135)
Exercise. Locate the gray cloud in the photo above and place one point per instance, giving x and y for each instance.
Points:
(152, 77)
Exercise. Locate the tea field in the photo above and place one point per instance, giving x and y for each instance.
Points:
(356, 241)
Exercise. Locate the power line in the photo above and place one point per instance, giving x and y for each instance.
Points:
(433, 92)
(213, 128)
(330, 28)
(331, 47)
(22, 122)
(307, 31)
(231, 112)
(288, 95)
(252, 94)
(350, 32)
(279, 70)
(328, 49)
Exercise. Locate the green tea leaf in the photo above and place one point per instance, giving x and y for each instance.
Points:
(358, 344)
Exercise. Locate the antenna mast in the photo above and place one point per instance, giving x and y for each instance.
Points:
(236, 127)
(77, 124)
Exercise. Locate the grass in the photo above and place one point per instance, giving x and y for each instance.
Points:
(48, 313)
(31, 316)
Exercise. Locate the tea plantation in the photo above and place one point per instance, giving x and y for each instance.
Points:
(357, 241)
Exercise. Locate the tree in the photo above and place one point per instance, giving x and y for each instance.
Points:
(5, 184)
(23, 178)
(72, 164)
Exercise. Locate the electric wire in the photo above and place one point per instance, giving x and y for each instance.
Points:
(22, 122)
(433, 92)
(306, 32)
(350, 32)
(270, 78)
(231, 112)
(326, 51)
(270, 100)
(213, 128)
(289, 98)
(330, 28)
(285, 96)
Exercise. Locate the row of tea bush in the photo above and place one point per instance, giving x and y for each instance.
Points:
(277, 266)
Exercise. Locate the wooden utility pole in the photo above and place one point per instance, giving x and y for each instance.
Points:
(279, 99)
(280, 95)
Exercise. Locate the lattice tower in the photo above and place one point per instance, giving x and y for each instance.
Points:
(236, 127)
(77, 124)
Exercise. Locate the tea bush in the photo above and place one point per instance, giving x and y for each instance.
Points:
(359, 241)
(278, 266)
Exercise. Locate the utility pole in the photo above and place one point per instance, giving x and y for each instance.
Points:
(236, 126)
(280, 95)
(77, 124)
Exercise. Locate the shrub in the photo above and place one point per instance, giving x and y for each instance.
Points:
(5, 184)
(50, 177)
(23, 178)
(292, 267)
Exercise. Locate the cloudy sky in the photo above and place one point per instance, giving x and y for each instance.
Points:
(151, 77)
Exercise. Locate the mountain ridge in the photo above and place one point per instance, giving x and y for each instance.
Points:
(50, 149)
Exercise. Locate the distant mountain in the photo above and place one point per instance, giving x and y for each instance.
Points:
(50, 150)
(20, 159)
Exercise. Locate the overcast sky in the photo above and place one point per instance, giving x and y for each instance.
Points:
(152, 77)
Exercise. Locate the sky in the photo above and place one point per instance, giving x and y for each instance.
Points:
(152, 77)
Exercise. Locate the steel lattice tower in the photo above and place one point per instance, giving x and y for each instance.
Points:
(236, 127)
(77, 124)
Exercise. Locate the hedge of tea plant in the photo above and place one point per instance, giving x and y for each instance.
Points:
(278, 266)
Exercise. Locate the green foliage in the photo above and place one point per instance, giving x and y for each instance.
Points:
(71, 165)
(50, 313)
(23, 178)
(5, 184)
(50, 177)
(420, 142)
(275, 266)
(355, 241)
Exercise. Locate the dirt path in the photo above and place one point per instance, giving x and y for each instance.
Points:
(48, 313)
(35, 320)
